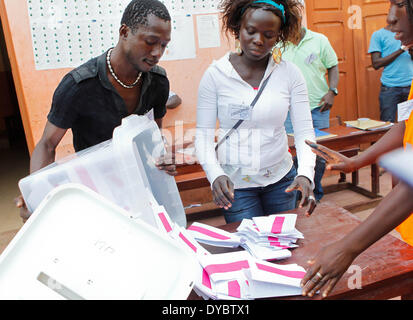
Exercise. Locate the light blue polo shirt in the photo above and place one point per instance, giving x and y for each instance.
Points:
(399, 73)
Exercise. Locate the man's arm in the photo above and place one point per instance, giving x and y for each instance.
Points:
(328, 100)
(333, 260)
(45, 151)
(392, 140)
(43, 155)
(378, 61)
(173, 102)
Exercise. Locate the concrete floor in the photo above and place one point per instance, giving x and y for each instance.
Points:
(14, 165)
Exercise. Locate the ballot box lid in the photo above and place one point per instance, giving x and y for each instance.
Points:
(79, 245)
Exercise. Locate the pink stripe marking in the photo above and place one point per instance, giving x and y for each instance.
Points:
(277, 225)
(286, 273)
(165, 222)
(205, 279)
(209, 233)
(234, 289)
(227, 267)
(187, 241)
(273, 239)
(85, 178)
(278, 245)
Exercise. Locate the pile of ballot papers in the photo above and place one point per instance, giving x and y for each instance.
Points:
(269, 237)
(241, 274)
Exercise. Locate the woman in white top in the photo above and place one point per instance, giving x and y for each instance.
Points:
(254, 159)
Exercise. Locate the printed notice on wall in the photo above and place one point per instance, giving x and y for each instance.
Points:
(67, 33)
(183, 44)
(208, 31)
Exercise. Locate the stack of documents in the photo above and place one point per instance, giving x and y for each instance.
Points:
(270, 237)
(368, 124)
(240, 274)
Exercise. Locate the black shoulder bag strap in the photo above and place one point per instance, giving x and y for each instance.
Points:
(235, 127)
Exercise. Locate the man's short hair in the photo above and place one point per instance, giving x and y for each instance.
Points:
(137, 11)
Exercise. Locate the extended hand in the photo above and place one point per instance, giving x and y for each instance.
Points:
(327, 101)
(24, 212)
(303, 184)
(167, 163)
(223, 192)
(326, 269)
(335, 160)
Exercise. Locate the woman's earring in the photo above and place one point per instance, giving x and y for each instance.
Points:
(276, 55)
(238, 49)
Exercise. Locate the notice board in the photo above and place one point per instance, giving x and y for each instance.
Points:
(47, 38)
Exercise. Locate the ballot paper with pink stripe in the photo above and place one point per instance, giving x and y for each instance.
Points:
(274, 280)
(213, 236)
(204, 287)
(265, 253)
(233, 289)
(263, 245)
(184, 238)
(225, 266)
(276, 224)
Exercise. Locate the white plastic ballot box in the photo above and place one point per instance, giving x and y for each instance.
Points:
(121, 169)
(78, 245)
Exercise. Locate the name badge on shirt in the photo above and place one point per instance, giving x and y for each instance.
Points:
(311, 58)
(240, 112)
(404, 109)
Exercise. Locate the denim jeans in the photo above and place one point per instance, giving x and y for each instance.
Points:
(389, 98)
(260, 201)
(321, 120)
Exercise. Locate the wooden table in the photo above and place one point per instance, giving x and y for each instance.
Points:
(191, 176)
(386, 267)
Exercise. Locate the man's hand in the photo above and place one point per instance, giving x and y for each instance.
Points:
(24, 212)
(223, 192)
(303, 184)
(335, 160)
(327, 101)
(326, 269)
(167, 164)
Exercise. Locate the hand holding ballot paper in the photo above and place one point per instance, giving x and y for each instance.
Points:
(335, 160)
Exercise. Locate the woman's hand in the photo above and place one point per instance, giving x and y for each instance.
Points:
(223, 192)
(167, 163)
(24, 212)
(326, 269)
(303, 184)
(335, 160)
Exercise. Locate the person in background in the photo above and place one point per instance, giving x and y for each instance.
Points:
(394, 210)
(396, 61)
(253, 169)
(92, 99)
(173, 100)
(315, 57)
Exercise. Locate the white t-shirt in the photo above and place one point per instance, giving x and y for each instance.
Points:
(257, 153)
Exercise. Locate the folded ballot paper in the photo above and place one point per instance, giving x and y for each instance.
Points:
(270, 237)
(238, 275)
(214, 236)
(245, 274)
